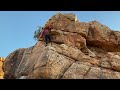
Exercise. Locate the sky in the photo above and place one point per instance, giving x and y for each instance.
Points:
(17, 27)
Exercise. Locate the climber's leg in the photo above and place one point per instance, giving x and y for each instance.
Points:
(49, 38)
(46, 40)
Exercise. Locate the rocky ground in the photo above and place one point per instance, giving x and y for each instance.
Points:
(78, 50)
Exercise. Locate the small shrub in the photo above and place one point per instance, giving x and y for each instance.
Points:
(37, 33)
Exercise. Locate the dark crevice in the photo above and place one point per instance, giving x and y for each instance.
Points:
(66, 70)
(86, 73)
(66, 55)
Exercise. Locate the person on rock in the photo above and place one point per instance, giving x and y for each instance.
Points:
(46, 35)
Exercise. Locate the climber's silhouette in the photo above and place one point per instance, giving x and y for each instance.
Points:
(46, 35)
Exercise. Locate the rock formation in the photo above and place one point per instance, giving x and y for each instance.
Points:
(1, 71)
(78, 50)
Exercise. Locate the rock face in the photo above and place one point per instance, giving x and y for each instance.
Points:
(1, 71)
(78, 50)
(101, 36)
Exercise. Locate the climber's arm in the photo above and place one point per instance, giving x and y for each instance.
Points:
(41, 35)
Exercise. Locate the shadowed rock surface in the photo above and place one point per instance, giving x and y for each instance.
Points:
(78, 50)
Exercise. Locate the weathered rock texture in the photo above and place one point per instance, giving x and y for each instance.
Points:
(78, 50)
(1, 70)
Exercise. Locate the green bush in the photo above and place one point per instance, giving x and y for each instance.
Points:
(37, 33)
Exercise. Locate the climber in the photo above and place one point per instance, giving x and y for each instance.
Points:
(46, 34)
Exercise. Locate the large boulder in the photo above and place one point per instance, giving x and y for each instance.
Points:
(101, 36)
(68, 24)
(68, 38)
(11, 63)
(78, 50)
